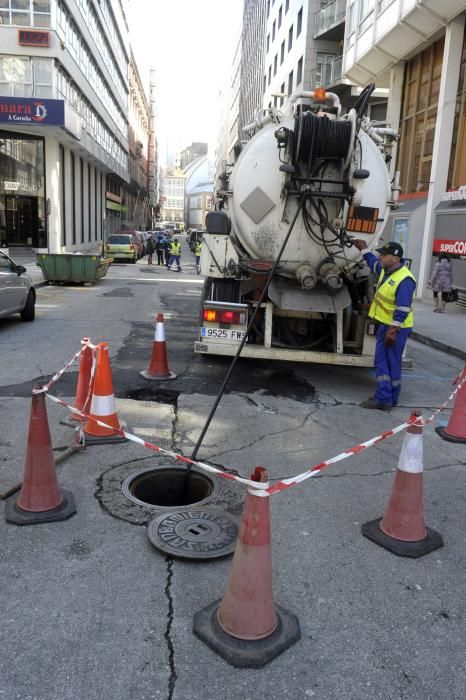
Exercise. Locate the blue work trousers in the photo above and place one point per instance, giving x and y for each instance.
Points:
(175, 258)
(387, 363)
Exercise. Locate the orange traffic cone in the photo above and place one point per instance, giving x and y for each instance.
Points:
(84, 389)
(103, 404)
(40, 499)
(158, 367)
(455, 431)
(402, 529)
(246, 628)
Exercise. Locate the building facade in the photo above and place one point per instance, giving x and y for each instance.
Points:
(172, 195)
(193, 152)
(418, 52)
(199, 187)
(252, 60)
(63, 120)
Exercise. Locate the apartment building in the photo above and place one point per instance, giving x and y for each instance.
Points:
(291, 51)
(172, 195)
(63, 120)
(252, 60)
(417, 50)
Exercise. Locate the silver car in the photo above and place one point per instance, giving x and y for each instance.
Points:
(17, 294)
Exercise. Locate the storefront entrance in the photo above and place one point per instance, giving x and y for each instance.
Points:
(21, 220)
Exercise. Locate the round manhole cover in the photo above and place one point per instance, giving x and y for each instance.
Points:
(194, 534)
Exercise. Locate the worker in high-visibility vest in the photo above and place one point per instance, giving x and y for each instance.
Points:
(391, 309)
(175, 254)
(197, 253)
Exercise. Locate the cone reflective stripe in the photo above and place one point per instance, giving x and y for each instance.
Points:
(246, 627)
(455, 431)
(402, 529)
(40, 499)
(158, 367)
(84, 389)
(103, 400)
(247, 610)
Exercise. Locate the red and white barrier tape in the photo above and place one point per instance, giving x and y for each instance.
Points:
(56, 377)
(257, 488)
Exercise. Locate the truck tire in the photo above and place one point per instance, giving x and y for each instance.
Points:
(29, 311)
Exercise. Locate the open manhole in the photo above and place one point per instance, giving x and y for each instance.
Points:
(134, 495)
(167, 487)
(194, 534)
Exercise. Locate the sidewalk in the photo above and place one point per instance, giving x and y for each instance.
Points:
(445, 332)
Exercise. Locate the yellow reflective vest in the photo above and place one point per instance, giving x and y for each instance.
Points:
(197, 250)
(175, 248)
(384, 303)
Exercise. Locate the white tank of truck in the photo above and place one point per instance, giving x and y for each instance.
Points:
(302, 188)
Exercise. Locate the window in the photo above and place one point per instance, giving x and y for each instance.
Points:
(268, 8)
(287, 6)
(351, 23)
(89, 201)
(300, 22)
(270, 75)
(274, 30)
(275, 63)
(63, 198)
(290, 83)
(280, 14)
(73, 199)
(24, 13)
(268, 42)
(264, 85)
(299, 72)
(282, 52)
(383, 4)
(96, 199)
(290, 38)
(366, 12)
(282, 90)
(81, 192)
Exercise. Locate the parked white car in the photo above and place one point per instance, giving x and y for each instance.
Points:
(17, 293)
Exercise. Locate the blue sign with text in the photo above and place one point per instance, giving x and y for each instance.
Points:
(21, 111)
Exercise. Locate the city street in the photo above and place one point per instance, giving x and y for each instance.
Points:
(92, 611)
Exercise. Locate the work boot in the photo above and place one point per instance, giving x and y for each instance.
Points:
(372, 403)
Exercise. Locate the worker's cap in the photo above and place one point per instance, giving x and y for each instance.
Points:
(391, 248)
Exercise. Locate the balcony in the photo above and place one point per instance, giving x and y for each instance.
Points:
(327, 74)
(330, 21)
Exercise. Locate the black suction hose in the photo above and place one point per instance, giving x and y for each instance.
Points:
(243, 341)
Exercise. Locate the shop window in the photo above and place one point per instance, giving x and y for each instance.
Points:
(73, 197)
(62, 196)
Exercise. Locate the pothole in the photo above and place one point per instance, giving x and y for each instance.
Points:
(153, 394)
(167, 487)
(203, 491)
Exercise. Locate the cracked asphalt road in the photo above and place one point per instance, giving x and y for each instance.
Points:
(91, 610)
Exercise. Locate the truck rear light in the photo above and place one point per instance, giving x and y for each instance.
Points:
(223, 316)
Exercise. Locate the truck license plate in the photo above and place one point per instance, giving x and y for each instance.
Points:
(222, 333)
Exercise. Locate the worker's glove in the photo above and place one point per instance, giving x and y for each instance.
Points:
(360, 244)
(390, 336)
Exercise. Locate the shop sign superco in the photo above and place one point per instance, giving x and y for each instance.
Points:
(32, 111)
(451, 247)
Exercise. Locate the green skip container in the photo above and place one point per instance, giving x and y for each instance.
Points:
(80, 269)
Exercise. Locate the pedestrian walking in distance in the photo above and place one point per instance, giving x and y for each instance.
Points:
(160, 250)
(150, 250)
(441, 281)
(175, 254)
(197, 253)
(391, 309)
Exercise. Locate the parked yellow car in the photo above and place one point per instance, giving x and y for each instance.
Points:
(122, 246)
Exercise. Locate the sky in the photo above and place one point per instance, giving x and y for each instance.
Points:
(191, 45)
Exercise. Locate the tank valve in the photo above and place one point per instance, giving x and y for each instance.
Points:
(306, 276)
(329, 274)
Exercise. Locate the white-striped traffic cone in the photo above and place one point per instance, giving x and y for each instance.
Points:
(402, 530)
(103, 404)
(158, 367)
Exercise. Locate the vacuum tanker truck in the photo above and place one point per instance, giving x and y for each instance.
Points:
(279, 244)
